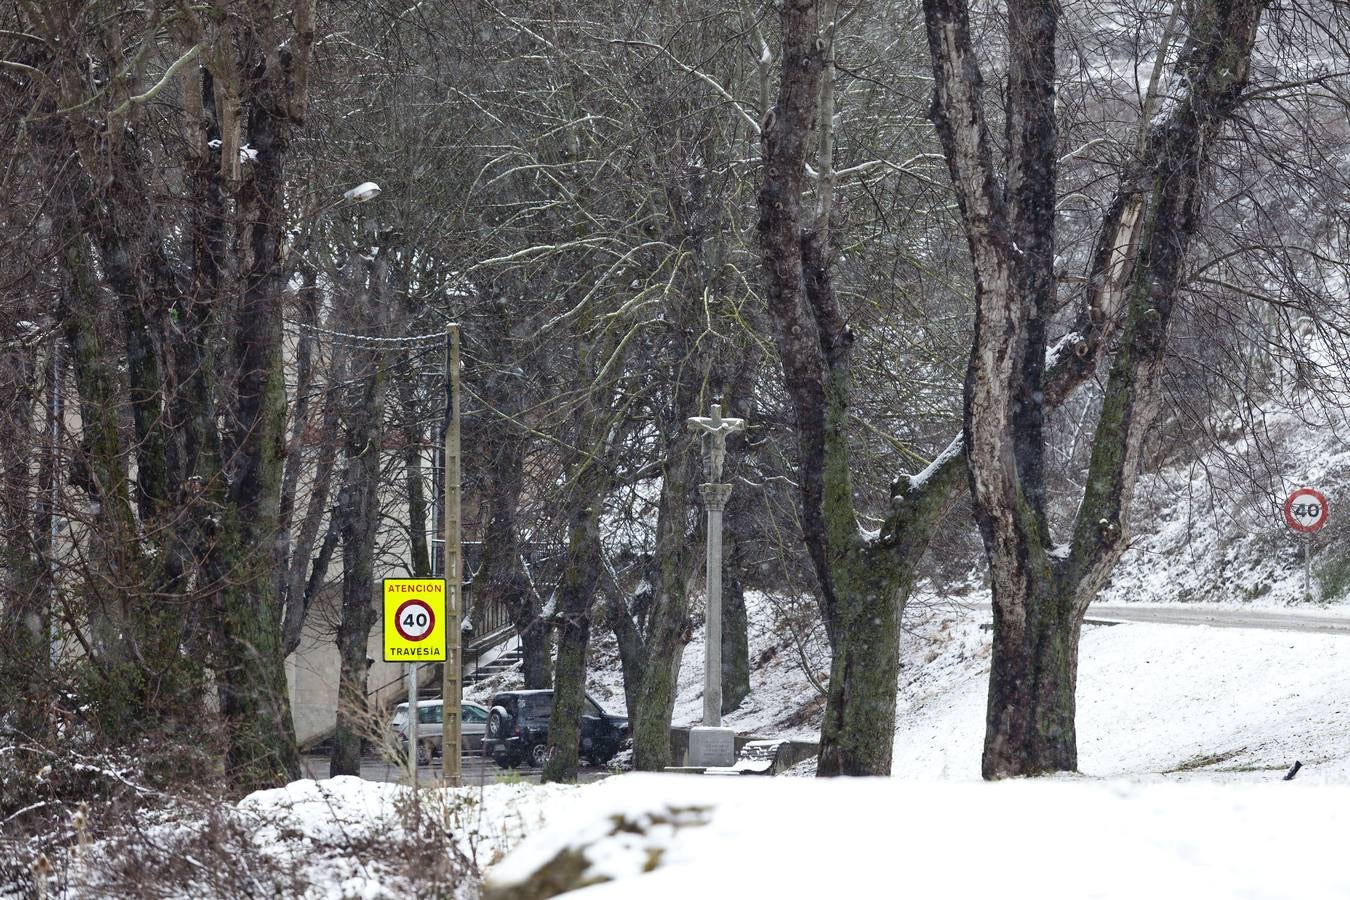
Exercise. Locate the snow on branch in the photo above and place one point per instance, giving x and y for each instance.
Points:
(703, 76)
(539, 250)
(954, 449)
(158, 86)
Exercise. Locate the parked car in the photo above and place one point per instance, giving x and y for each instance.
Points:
(430, 716)
(517, 729)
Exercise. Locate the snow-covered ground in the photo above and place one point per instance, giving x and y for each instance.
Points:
(337, 839)
(297, 822)
(667, 836)
(1185, 734)
(1154, 702)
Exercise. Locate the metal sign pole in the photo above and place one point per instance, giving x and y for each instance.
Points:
(1307, 569)
(412, 723)
(451, 685)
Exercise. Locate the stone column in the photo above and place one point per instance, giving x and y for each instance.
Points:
(715, 497)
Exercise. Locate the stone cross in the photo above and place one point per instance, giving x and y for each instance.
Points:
(716, 429)
(715, 496)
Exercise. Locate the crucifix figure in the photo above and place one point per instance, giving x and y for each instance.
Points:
(715, 495)
(716, 429)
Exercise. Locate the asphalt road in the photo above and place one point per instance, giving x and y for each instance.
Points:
(474, 770)
(1217, 617)
(1261, 619)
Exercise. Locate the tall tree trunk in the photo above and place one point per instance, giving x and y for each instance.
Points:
(500, 578)
(24, 589)
(1040, 597)
(141, 634)
(359, 512)
(414, 478)
(419, 562)
(307, 571)
(673, 564)
(265, 61)
(200, 486)
(864, 579)
(576, 592)
(735, 625)
(536, 645)
(1030, 725)
(146, 681)
(254, 698)
(632, 649)
(814, 348)
(308, 298)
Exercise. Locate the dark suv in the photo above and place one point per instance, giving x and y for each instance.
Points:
(517, 729)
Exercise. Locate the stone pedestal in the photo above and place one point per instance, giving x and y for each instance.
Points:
(711, 746)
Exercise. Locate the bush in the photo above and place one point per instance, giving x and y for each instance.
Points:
(1333, 578)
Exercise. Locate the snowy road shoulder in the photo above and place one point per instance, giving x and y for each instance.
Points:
(1309, 621)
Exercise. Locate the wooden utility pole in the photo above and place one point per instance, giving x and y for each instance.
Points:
(452, 685)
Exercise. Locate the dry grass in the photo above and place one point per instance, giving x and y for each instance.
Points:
(159, 822)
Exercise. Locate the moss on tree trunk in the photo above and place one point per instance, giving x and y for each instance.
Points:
(667, 633)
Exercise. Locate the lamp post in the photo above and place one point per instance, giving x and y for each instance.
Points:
(362, 193)
(711, 744)
(452, 682)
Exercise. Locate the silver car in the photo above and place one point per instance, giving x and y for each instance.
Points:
(430, 714)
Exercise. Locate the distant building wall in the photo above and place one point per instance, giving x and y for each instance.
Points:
(312, 671)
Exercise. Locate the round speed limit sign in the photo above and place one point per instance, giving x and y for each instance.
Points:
(415, 615)
(1306, 510)
(414, 620)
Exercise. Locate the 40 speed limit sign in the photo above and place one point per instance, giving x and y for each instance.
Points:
(1306, 510)
(414, 620)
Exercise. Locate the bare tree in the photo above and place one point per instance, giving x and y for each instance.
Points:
(1041, 588)
(202, 518)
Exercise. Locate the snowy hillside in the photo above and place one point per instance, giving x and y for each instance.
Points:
(782, 702)
(1212, 529)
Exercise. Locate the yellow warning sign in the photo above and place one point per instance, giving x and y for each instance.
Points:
(414, 620)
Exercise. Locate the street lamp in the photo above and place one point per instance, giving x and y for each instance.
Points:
(366, 190)
(363, 192)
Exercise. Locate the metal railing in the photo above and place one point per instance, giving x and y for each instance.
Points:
(492, 619)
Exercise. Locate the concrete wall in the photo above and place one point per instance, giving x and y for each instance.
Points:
(790, 755)
(312, 671)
